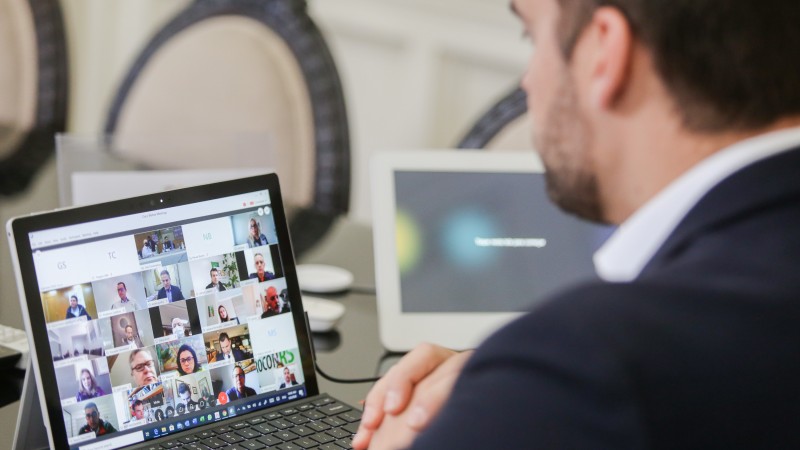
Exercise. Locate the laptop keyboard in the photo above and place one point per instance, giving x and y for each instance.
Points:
(320, 423)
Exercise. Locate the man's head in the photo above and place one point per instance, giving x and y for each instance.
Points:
(138, 410)
(184, 392)
(214, 274)
(122, 290)
(255, 230)
(713, 60)
(287, 375)
(258, 258)
(129, 332)
(143, 367)
(611, 78)
(92, 415)
(165, 280)
(177, 327)
(238, 378)
(272, 299)
(225, 343)
(73, 301)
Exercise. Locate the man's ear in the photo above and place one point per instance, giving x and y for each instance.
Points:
(611, 40)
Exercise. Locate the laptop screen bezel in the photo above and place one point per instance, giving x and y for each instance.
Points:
(34, 313)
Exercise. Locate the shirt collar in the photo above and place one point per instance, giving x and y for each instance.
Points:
(635, 242)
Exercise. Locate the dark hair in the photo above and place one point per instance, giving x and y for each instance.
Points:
(137, 403)
(73, 296)
(727, 65)
(213, 269)
(123, 285)
(224, 337)
(187, 348)
(183, 387)
(227, 316)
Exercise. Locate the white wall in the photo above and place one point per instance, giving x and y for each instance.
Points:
(416, 73)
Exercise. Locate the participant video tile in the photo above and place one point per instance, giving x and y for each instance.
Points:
(69, 303)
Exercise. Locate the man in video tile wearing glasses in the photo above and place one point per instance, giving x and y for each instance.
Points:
(94, 423)
(677, 120)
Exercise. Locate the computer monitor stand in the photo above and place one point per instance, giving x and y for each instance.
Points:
(30, 432)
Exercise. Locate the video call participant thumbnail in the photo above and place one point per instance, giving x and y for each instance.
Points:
(78, 339)
(131, 339)
(260, 264)
(215, 283)
(179, 319)
(169, 291)
(288, 379)
(95, 423)
(187, 360)
(228, 351)
(255, 237)
(239, 389)
(75, 310)
(261, 273)
(125, 301)
(137, 410)
(143, 367)
(224, 316)
(271, 303)
(88, 386)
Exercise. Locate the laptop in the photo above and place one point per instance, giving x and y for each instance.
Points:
(173, 320)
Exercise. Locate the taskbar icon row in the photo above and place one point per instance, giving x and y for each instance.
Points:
(178, 424)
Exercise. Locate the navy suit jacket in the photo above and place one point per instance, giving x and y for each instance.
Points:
(701, 351)
(176, 293)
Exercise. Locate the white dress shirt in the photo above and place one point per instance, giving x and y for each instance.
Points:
(637, 240)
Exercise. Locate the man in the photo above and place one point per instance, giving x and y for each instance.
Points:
(261, 273)
(130, 339)
(124, 301)
(677, 120)
(173, 293)
(76, 310)
(227, 352)
(143, 368)
(94, 423)
(214, 280)
(178, 328)
(146, 250)
(138, 410)
(168, 245)
(239, 390)
(287, 379)
(256, 238)
(271, 305)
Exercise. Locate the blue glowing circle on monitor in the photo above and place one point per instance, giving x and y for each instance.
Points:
(459, 231)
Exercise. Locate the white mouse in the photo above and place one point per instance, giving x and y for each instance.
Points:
(323, 314)
(323, 279)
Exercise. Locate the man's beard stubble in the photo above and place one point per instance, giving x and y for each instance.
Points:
(563, 146)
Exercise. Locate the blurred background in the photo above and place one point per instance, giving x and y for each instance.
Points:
(414, 74)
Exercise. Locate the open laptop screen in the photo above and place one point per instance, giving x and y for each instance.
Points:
(166, 319)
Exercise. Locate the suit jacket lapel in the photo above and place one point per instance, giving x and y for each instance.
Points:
(766, 183)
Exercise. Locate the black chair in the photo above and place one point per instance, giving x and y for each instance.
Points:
(256, 71)
(504, 127)
(33, 88)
